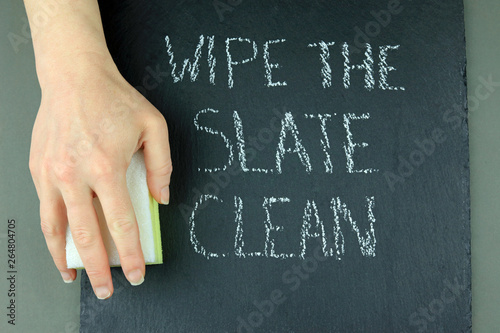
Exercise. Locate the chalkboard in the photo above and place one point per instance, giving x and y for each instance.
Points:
(321, 172)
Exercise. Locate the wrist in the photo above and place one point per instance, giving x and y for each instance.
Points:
(75, 69)
(71, 45)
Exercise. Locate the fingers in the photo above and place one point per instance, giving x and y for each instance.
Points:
(86, 234)
(157, 158)
(122, 224)
(53, 224)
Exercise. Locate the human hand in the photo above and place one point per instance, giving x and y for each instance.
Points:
(90, 123)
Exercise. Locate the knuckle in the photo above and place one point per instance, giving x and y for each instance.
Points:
(96, 268)
(102, 168)
(33, 166)
(63, 172)
(122, 225)
(94, 273)
(158, 121)
(130, 257)
(164, 170)
(83, 237)
(39, 167)
(50, 229)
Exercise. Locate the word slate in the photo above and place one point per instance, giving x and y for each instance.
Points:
(321, 169)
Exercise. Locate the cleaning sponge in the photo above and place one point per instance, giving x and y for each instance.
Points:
(146, 212)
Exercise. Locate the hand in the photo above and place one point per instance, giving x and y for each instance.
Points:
(90, 123)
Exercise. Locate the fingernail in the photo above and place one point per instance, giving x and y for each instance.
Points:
(165, 195)
(102, 292)
(66, 277)
(135, 277)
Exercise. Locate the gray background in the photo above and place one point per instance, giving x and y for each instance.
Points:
(45, 304)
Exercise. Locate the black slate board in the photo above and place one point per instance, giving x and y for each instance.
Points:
(411, 274)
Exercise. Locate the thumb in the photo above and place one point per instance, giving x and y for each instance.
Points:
(157, 157)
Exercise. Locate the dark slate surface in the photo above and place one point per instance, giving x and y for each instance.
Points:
(412, 275)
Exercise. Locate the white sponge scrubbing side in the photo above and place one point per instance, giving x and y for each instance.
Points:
(146, 212)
